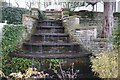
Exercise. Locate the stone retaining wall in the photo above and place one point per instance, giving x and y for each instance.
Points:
(53, 14)
(86, 35)
(30, 22)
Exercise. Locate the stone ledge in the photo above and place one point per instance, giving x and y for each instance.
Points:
(86, 28)
(48, 56)
(101, 40)
(31, 16)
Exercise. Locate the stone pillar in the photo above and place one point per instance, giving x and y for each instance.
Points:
(35, 13)
(29, 23)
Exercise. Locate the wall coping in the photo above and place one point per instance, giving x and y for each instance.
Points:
(31, 16)
(101, 40)
(85, 28)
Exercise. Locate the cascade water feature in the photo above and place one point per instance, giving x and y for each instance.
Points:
(50, 41)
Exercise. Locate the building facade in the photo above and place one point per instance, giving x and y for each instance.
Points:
(118, 6)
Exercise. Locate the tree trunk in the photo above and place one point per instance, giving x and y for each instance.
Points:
(108, 20)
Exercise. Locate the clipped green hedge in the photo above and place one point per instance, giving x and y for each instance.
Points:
(13, 14)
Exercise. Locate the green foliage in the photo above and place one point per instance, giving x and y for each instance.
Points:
(13, 14)
(12, 35)
(117, 14)
(106, 64)
(68, 11)
(116, 36)
(16, 64)
(50, 63)
(88, 14)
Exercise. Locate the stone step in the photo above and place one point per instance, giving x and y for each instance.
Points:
(47, 52)
(48, 56)
(50, 27)
(51, 47)
(50, 23)
(53, 44)
(50, 30)
(49, 39)
(50, 20)
(51, 34)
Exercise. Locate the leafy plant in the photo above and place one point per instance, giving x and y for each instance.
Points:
(106, 64)
(116, 36)
(66, 74)
(68, 11)
(87, 14)
(12, 36)
(2, 74)
(117, 14)
(29, 73)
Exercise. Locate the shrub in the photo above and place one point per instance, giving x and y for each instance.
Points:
(13, 14)
(105, 64)
(1, 74)
(11, 41)
(12, 36)
(29, 73)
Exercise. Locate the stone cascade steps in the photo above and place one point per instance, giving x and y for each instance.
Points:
(55, 43)
(49, 41)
